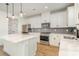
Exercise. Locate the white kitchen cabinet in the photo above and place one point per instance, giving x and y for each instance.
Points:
(54, 39)
(35, 21)
(54, 21)
(58, 19)
(45, 17)
(71, 16)
(62, 19)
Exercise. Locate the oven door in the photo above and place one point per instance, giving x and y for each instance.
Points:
(77, 33)
(44, 38)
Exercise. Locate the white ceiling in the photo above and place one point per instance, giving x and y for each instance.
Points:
(28, 7)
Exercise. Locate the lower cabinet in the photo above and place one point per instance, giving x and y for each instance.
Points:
(54, 39)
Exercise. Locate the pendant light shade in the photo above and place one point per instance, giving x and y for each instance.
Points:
(13, 11)
(21, 11)
(21, 14)
(7, 11)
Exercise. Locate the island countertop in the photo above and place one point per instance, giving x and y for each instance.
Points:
(15, 38)
(20, 44)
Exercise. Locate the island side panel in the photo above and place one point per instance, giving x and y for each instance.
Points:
(23, 48)
(32, 46)
(15, 49)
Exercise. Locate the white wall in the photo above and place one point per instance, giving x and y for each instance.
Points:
(35, 22)
(59, 18)
(3, 25)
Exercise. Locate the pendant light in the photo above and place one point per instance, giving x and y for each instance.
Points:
(21, 11)
(7, 11)
(13, 11)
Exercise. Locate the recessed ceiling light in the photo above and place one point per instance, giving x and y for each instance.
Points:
(46, 7)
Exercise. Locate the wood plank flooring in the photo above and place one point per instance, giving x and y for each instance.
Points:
(46, 50)
(42, 50)
(2, 53)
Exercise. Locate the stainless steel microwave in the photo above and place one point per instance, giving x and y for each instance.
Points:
(45, 25)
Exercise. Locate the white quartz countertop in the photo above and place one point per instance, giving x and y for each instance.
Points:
(15, 38)
(69, 47)
(61, 34)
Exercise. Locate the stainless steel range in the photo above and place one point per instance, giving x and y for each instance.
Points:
(44, 37)
(77, 33)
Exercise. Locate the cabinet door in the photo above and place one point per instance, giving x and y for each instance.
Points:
(35, 22)
(53, 21)
(45, 17)
(54, 40)
(71, 17)
(51, 40)
(59, 19)
(32, 46)
(62, 19)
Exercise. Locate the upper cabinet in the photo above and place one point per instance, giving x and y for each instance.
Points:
(53, 21)
(35, 22)
(71, 16)
(45, 17)
(59, 19)
(62, 19)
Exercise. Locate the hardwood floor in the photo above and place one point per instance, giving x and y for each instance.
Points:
(2, 53)
(42, 50)
(46, 50)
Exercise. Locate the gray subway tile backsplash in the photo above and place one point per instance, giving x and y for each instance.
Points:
(67, 30)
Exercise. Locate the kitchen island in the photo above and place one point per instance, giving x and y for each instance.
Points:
(20, 44)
